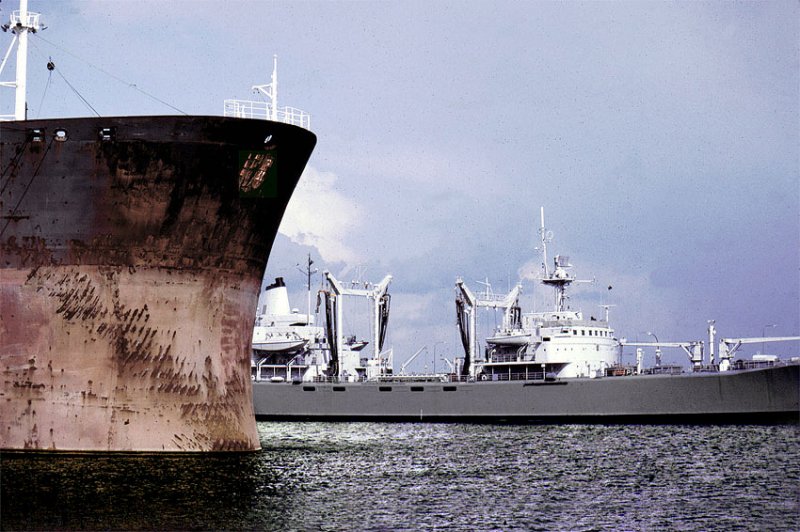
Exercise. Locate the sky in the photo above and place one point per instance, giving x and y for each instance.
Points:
(661, 138)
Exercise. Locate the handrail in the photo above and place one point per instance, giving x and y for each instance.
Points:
(31, 20)
(263, 111)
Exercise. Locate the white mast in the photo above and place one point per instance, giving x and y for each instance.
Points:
(712, 332)
(274, 87)
(268, 110)
(270, 90)
(308, 271)
(560, 279)
(543, 233)
(22, 62)
(21, 23)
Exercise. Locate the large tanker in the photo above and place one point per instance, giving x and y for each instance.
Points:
(131, 255)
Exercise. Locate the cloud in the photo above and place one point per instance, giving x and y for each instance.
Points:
(320, 216)
(423, 319)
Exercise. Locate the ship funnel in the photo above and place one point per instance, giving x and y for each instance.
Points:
(276, 299)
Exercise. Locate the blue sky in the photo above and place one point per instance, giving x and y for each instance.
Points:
(661, 138)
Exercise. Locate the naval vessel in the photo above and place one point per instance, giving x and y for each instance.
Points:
(537, 367)
(132, 250)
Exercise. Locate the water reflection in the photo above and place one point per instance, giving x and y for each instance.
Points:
(47, 491)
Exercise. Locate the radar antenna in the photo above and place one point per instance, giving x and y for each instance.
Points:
(560, 278)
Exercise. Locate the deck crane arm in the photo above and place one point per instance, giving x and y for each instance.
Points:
(693, 349)
(411, 359)
(729, 346)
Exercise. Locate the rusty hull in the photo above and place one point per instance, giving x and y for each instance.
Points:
(130, 264)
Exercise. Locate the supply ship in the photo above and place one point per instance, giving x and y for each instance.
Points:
(131, 256)
(556, 366)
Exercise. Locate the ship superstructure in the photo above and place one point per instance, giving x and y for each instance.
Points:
(561, 343)
(287, 346)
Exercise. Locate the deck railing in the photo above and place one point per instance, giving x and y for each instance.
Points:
(263, 111)
(440, 378)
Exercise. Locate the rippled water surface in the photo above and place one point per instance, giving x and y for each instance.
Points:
(374, 476)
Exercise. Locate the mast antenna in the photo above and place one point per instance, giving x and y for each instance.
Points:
(309, 272)
(559, 279)
(546, 236)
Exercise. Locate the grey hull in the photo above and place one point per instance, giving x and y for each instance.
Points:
(753, 396)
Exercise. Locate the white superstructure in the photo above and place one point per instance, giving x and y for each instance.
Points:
(558, 343)
(287, 345)
(284, 340)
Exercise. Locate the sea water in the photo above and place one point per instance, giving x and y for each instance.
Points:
(376, 476)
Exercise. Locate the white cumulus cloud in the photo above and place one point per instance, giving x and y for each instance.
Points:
(320, 216)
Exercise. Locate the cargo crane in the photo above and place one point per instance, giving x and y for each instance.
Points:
(727, 348)
(347, 361)
(467, 304)
(411, 359)
(694, 349)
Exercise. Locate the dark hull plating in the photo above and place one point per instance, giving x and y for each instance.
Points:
(131, 255)
(753, 396)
